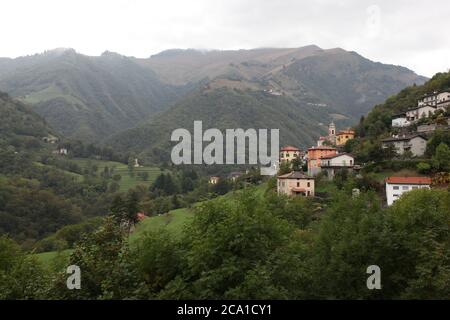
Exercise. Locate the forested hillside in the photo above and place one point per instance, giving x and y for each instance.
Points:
(85, 97)
(91, 98)
(378, 121)
(225, 108)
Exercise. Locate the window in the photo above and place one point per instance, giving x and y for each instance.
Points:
(309, 184)
(396, 188)
(405, 188)
(298, 184)
(395, 195)
(414, 187)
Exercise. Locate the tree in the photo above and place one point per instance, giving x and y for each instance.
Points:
(102, 258)
(21, 276)
(441, 158)
(419, 249)
(423, 167)
(285, 167)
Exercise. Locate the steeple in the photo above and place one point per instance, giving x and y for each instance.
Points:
(331, 129)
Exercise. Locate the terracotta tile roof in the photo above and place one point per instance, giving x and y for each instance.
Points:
(348, 131)
(290, 148)
(322, 148)
(408, 180)
(295, 175)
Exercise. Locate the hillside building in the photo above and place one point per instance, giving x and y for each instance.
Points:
(400, 121)
(335, 163)
(396, 186)
(415, 143)
(290, 153)
(420, 112)
(315, 155)
(214, 179)
(433, 99)
(343, 136)
(295, 183)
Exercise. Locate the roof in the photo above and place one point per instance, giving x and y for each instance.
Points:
(417, 108)
(290, 148)
(408, 180)
(235, 174)
(322, 148)
(295, 175)
(337, 155)
(403, 138)
(346, 132)
(443, 101)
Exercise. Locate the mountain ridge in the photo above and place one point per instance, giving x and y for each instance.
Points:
(94, 97)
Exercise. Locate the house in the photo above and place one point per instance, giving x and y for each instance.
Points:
(330, 138)
(396, 186)
(214, 179)
(417, 113)
(290, 153)
(50, 139)
(335, 163)
(400, 121)
(343, 136)
(443, 105)
(61, 151)
(434, 98)
(314, 156)
(141, 216)
(415, 143)
(233, 176)
(295, 183)
(136, 163)
(321, 141)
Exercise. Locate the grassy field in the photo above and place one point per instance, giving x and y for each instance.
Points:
(128, 180)
(48, 258)
(77, 176)
(173, 221)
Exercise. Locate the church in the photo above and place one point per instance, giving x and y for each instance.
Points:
(336, 139)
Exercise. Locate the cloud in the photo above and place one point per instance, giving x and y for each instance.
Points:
(394, 32)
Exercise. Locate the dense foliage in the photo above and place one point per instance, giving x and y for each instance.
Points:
(271, 248)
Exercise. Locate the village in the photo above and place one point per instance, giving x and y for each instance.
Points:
(409, 136)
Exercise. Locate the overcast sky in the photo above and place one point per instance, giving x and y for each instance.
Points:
(414, 34)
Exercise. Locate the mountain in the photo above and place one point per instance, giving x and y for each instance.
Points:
(86, 97)
(20, 127)
(93, 98)
(334, 78)
(225, 108)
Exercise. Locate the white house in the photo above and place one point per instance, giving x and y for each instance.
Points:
(400, 121)
(333, 163)
(414, 143)
(423, 111)
(396, 186)
(434, 98)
